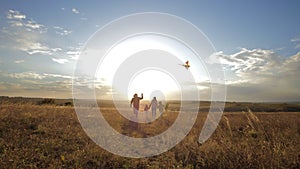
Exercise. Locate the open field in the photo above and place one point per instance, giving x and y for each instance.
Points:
(49, 136)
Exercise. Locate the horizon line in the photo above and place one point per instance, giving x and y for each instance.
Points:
(239, 101)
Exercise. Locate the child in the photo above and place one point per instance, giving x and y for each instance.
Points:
(160, 107)
(146, 108)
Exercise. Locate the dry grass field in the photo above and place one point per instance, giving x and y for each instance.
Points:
(49, 136)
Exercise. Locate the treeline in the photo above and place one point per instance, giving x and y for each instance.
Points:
(261, 107)
(36, 101)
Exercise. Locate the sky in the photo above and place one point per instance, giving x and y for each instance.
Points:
(258, 43)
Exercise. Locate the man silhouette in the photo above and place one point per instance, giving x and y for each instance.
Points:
(135, 101)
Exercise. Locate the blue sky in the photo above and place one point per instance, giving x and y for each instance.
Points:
(258, 41)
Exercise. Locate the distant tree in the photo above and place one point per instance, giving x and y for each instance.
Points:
(46, 101)
(68, 104)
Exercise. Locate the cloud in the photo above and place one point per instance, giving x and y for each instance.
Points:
(19, 61)
(16, 23)
(29, 36)
(5, 86)
(29, 88)
(61, 31)
(38, 78)
(261, 75)
(57, 76)
(25, 35)
(33, 25)
(295, 40)
(11, 14)
(250, 63)
(35, 47)
(38, 48)
(26, 75)
(35, 75)
(16, 19)
(83, 85)
(73, 52)
(33, 84)
(29, 42)
(76, 11)
(60, 61)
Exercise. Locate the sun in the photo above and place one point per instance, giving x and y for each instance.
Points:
(151, 81)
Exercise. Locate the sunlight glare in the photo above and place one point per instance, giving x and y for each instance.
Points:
(149, 81)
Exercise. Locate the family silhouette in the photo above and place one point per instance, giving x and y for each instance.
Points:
(154, 105)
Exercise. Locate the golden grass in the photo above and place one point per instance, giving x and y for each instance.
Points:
(49, 136)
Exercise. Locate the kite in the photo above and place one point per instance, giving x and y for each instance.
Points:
(186, 65)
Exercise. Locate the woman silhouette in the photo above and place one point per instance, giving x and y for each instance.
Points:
(153, 106)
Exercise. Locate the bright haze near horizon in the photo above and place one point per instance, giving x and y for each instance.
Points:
(258, 43)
